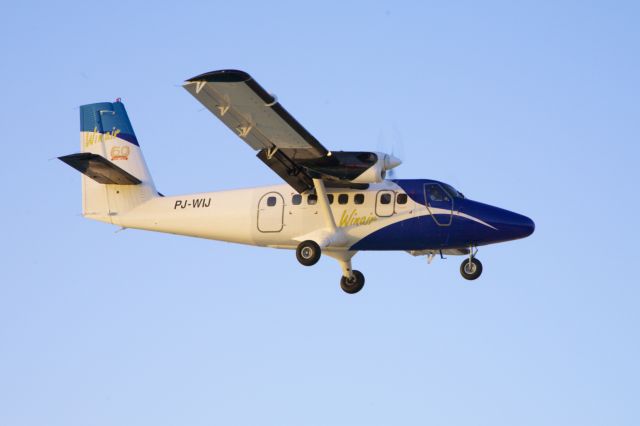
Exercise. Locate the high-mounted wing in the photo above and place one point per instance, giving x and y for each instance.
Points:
(258, 119)
(283, 144)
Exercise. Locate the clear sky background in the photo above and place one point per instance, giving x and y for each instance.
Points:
(531, 106)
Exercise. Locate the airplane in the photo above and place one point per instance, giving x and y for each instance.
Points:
(336, 203)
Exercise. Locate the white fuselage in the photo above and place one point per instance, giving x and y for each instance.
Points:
(269, 216)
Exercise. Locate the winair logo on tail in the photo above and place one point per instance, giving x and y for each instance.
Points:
(352, 218)
(92, 138)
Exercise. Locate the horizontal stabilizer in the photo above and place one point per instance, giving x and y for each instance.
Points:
(100, 169)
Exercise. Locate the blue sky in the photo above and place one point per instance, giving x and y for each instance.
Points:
(531, 106)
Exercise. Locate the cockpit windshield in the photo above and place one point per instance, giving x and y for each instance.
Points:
(451, 190)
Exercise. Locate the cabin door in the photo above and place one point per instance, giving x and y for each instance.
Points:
(385, 203)
(271, 212)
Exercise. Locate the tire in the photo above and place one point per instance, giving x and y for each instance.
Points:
(471, 271)
(308, 253)
(353, 286)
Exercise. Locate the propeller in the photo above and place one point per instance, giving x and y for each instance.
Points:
(391, 161)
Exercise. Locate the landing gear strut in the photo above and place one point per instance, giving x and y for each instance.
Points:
(471, 268)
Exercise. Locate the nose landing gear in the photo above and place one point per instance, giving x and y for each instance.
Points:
(471, 268)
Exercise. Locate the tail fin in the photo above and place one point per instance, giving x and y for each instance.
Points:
(115, 177)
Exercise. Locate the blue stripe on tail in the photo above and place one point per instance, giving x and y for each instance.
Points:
(107, 117)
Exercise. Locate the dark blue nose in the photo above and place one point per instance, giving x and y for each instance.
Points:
(526, 226)
(513, 226)
(499, 224)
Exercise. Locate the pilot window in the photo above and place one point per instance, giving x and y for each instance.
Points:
(343, 199)
(330, 198)
(385, 198)
(358, 198)
(312, 199)
(296, 199)
(451, 190)
(271, 201)
(401, 198)
(435, 193)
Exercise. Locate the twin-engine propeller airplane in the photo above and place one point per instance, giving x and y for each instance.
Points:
(333, 202)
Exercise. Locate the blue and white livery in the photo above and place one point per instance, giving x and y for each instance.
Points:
(335, 203)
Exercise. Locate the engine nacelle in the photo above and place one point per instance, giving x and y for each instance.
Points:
(378, 171)
(373, 174)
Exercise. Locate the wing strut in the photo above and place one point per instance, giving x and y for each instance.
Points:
(323, 202)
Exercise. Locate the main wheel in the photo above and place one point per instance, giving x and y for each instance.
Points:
(354, 284)
(471, 269)
(308, 253)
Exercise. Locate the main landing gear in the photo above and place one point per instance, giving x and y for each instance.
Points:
(351, 281)
(352, 284)
(471, 268)
(308, 253)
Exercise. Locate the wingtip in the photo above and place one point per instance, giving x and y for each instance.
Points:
(221, 76)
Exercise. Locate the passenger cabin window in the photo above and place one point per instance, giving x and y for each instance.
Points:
(385, 198)
(271, 201)
(330, 198)
(296, 199)
(312, 199)
(358, 198)
(401, 198)
(343, 199)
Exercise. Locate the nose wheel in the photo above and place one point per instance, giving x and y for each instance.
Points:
(471, 268)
